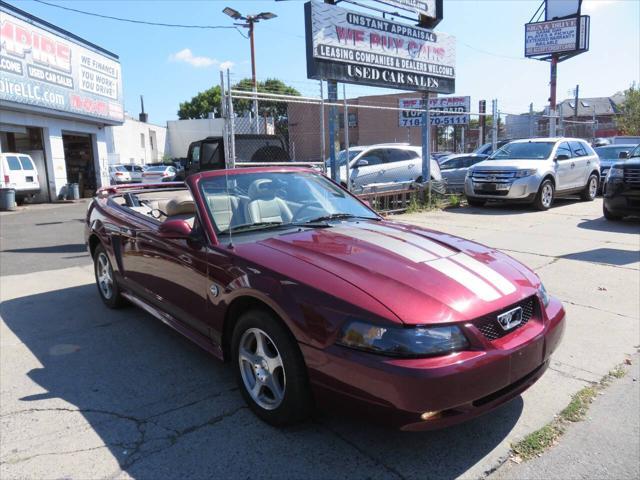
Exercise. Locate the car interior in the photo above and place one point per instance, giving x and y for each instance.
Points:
(261, 200)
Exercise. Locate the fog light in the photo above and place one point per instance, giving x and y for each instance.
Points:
(428, 415)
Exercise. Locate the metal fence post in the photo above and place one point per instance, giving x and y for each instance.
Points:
(346, 134)
(232, 134)
(332, 92)
(323, 146)
(426, 145)
(494, 127)
(531, 120)
(225, 117)
(561, 117)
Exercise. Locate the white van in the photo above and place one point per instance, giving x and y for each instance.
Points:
(18, 171)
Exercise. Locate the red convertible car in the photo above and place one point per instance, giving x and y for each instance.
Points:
(316, 299)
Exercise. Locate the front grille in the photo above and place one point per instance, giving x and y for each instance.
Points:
(492, 330)
(632, 176)
(494, 176)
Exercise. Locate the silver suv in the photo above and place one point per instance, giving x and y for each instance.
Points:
(535, 171)
(394, 165)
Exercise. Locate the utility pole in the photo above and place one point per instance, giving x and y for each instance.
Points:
(426, 144)
(552, 96)
(249, 21)
(482, 121)
(495, 126)
(575, 110)
(531, 120)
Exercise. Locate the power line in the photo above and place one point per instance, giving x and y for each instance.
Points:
(140, 22)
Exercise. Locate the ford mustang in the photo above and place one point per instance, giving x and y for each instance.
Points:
(317, 300)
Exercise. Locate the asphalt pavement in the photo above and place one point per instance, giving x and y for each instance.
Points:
(87, 392)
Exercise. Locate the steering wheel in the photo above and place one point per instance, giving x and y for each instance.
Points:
(297, 216)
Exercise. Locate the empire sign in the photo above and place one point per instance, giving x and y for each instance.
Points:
(351, 47)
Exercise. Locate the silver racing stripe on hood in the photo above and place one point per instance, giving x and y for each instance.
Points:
(475, 276)
(415, 239)
(399, 247)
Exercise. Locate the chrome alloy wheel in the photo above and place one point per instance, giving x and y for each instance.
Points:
(593, 187)
(547, 195)
(104, 275)
(262, 369)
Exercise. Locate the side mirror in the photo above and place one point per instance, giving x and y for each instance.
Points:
(623, 155)
(361, 163)
(562, 156)
(175, 229)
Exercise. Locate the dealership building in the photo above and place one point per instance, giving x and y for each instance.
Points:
(58, 93)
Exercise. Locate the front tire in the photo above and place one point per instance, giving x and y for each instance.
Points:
(270, 370)
(590, 189)
(544, 198)
(105, 280)
(609, 215)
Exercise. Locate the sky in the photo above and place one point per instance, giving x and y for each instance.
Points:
(171, 65)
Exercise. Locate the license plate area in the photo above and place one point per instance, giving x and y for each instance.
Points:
(29, 179)
(491, 187)
(526, 359)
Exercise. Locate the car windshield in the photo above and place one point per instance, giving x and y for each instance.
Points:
(611, 153)
(524, 150)
(635, 152)
(342, 157)
(119, 168)
(266, 200)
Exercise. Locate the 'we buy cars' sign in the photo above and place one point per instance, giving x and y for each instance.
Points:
(352, 47)
(445, 111)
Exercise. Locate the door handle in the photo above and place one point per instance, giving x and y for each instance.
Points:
(411, 165)
(573, 164)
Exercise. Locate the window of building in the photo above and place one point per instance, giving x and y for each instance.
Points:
(142, 140)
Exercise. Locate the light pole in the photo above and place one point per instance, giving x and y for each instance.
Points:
(248, 22)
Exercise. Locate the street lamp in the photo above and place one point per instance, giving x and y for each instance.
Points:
(247, 22)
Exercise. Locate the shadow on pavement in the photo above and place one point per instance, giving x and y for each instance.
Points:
(611, 256)
(496, 208)
(628, 225)
(166, 409)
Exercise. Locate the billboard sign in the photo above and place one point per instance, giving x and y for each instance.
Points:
(421, 7)
(43, 68)
(352, 47)
(410, 114)
(570, 35)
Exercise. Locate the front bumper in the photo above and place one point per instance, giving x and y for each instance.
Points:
(621, 198)
(520, 189)
(456, 387)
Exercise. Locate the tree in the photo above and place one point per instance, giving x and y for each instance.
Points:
(209, 101)
(201, 105)
(629, 119)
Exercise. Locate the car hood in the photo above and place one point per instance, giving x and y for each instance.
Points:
(422, 276)
(508, 164)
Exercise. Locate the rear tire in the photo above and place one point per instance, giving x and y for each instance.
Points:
(105, 280)
(609, 215)
(590, 189)
(544, 198)
(474, 202)
(273, 376)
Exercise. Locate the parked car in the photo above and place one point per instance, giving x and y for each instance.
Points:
(610, 154)
(454, 170)
(487, 148)
(384, 164)
(119, 174)
(209, 153)
(621, 190)
(17, 171)
(313, 296)
(535, 171)
(158, 174)
(135, 172)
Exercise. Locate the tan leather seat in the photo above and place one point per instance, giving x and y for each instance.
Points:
(225, 210)
(181, 207)
(264, 205)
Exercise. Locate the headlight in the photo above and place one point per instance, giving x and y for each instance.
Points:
(615, 172)
(543, 295)
(525, 173)
(403, 342)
